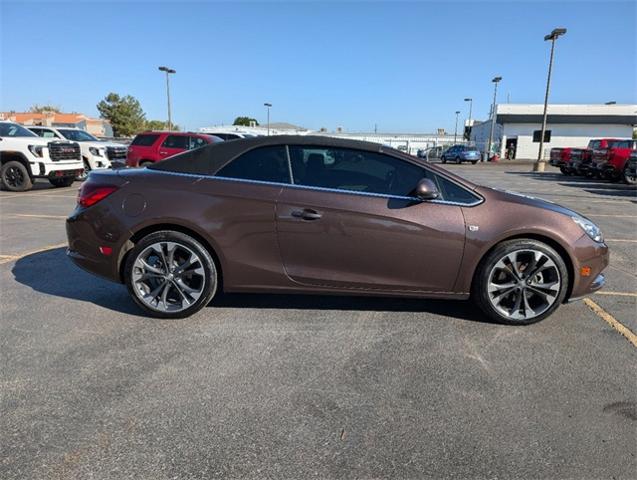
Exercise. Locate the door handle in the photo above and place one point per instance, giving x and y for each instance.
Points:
(163, 152)
(306, 214)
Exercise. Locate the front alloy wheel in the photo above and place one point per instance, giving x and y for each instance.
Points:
(171, 275)
(521, 282)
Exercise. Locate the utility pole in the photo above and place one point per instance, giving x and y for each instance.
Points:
(470, 100)
(455, 133)
(168, 71)
(540, 164)
(495, 81)
(268, 106)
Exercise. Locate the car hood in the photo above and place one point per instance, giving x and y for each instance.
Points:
(523, 199)
(34, 140)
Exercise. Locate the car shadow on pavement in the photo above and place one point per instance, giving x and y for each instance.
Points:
(463, 310)
(52, 273)
(590, 185)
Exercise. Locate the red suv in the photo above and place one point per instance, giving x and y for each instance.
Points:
(150, 147)
(611, 161)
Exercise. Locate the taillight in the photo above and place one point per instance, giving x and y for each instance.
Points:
(91, 193)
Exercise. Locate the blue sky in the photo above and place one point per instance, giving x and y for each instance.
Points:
(403, 66)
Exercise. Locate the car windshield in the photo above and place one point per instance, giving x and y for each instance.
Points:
(78, 135)
(14, 130)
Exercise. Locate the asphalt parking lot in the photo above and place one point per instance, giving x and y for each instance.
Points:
(265, 386)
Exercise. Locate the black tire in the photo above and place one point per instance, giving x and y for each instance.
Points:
(84, 175)
(62, 182)
(473, 162)
(480, 286)
(210, 277)
(14, 177)
(564, 171)
(458, 161)
(145, 163)
(628, 177)
(443, 159)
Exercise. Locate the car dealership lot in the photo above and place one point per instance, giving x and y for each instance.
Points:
(297, 386)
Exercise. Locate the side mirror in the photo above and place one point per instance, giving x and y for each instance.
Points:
(426, 189)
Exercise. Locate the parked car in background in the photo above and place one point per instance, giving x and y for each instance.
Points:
(566, 158)
(230, 135)
(24, 157)
(630, 171)
(461, 153)
(313, 214)
(597, 152)
(96, 154)
(150, 147)
(611, 161)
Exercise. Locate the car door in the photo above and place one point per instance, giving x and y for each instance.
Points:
(173, 144)
(240, 216)
(348, 221)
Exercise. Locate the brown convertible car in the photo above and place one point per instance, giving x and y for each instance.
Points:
(304, 214)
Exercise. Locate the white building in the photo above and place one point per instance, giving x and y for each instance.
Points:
(407, 142)
(518, 127)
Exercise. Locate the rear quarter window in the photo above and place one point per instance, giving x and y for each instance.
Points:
(145, 140)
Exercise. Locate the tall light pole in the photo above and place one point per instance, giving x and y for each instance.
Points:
(168, 72)
(268, 106)
(455, 133)
(495, 81)
(470, 100)
(540, 164)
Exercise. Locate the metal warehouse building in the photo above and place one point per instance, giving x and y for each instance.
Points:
(518, 127)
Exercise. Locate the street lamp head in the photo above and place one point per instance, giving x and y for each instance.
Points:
(457, 112)
(496, 79)
(167, 70)
(468, 99)
(555, 33)
(267, 104)
(611, 103)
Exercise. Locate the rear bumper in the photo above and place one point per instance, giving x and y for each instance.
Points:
(87, 231)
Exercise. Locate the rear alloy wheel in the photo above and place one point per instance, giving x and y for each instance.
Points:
(458, 161)
(520, 282)
(629, 178)
(170, 275)
(145, 163)
(15, 177)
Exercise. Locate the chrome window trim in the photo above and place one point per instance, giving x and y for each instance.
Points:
(478, 201)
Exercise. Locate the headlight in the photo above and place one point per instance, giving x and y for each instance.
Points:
(95, 151)
(590, 228)
(36, 150)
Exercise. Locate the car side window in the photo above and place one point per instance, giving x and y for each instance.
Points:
(176, 141)
(353, 170)
(451, 192)
(197, 142)
(44, 133)
(265, 164)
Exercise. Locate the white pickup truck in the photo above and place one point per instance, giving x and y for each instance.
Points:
(24, 157)
(96, 154)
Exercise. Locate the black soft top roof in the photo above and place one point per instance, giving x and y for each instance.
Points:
(211, 158)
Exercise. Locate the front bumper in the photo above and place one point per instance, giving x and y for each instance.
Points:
(56, 169)
(590, 260)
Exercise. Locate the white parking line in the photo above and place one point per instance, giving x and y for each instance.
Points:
(28, 215)
(612, 321)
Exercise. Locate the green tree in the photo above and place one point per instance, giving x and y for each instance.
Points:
(125, 114)
(35, 108)
(245, 121)
(160, 125)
